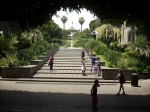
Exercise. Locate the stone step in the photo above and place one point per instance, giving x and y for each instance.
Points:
(64, 72)
(66, 76)
(63, 80)
(75, 60)
(68, 58)
(68, 66)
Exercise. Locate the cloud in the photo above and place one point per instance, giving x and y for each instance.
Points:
(73, 17)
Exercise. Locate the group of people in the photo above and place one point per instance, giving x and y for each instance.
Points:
(96, 84)
(97, 67)
(95, 63)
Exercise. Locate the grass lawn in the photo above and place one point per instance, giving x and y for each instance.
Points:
(103, 59)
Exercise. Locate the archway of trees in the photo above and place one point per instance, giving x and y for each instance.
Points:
(32, 13)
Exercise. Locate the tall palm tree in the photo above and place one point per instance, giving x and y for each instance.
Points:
(81, 21)
(64, 20)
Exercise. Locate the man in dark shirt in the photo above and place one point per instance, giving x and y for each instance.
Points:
(82, 54)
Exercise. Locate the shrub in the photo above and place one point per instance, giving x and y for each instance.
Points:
(11, 59)
(80, 42)
(101, 48)
(122, 62)
(91, 44)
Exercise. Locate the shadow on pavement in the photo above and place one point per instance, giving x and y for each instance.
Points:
(46, 101)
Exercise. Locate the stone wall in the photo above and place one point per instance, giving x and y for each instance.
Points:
(111, 73)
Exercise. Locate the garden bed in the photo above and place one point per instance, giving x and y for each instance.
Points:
(29, 70)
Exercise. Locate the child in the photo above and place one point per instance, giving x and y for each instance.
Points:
(51, 60)
(94, 94)
(83, 68)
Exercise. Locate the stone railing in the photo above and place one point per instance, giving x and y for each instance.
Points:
(29, 70)
(111, 73)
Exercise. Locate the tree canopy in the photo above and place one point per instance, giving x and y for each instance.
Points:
(36, 12)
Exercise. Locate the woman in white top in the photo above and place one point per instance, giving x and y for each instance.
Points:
(83, 68)
(99, 67)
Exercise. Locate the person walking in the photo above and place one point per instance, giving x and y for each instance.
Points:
(94, 94)
(121, 78)
(51, 60)
(82, 54)
(93, 58)
(83, 68)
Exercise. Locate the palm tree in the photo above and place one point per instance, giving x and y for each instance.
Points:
(64, 20)
(81, 21)
(140, 47)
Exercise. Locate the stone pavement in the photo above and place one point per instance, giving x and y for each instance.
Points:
(24, 96)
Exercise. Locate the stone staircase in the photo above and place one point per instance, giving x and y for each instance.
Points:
(67, 69)
(67, 63)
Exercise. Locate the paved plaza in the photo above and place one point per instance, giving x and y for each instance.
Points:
(28, 95)
(19, 96)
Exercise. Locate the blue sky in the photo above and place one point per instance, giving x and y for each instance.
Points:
(73, 17)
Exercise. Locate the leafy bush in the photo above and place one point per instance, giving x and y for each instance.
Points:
(38, 48)
(11, 59)
(122, 62)
(91, 44)
(101, 48)
(147, 69)
(3, 62)
(80, 42)
(112, 57)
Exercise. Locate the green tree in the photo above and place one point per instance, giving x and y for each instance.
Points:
(64, 20)
(65, 34)
(94, 24)
(51, 30)
(86, 33)
(37, 12)
(81, 21)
